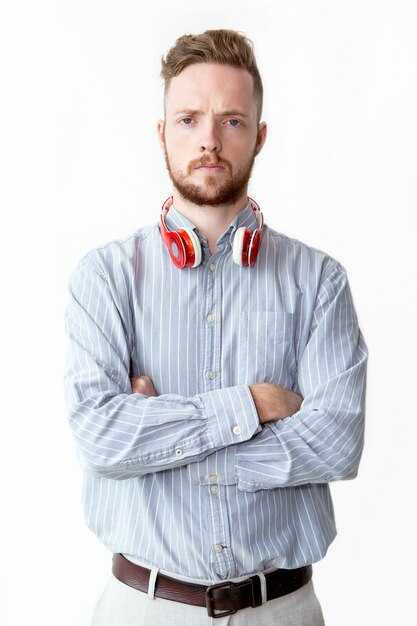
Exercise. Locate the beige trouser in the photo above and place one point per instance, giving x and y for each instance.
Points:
(120, 605)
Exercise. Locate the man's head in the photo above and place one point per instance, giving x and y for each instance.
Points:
(213, 103)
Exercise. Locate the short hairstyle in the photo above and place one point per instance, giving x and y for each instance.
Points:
(225, 47)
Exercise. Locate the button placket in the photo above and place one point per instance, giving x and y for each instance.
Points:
(223, 562)
(219, 537)
(212, 324)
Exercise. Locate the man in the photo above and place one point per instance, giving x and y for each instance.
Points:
(215, 378)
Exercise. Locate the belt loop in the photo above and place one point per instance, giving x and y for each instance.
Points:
(262, 580)
(152, 582)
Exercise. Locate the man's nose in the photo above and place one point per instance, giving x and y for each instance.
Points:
(210, 140)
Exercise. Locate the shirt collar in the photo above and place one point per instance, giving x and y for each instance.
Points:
(246, 218)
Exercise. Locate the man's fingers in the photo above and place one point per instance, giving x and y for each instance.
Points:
(144, 385)
(274, 402)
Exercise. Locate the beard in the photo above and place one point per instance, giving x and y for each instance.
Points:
(211, 192)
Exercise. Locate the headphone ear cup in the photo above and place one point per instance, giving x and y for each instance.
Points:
(192, 247)
(176, 248)
(241, 244)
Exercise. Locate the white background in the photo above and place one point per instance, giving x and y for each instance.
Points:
(80, 165)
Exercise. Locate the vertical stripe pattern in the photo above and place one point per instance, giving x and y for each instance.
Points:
(189, 481)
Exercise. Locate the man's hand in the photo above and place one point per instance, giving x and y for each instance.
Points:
(143, 384)
(274, 402)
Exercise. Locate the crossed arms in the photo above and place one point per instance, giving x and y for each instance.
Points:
(279, 438)
(272, 402)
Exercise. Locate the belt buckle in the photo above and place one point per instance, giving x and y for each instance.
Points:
(256, 592)
(210, 600)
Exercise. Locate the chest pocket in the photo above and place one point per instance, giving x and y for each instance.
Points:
(267, 348)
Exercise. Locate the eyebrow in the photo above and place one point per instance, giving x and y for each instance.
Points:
(199, 112)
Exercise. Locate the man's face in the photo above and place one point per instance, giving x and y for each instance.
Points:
(211, 135)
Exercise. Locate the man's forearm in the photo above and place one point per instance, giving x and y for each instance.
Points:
(272, 401)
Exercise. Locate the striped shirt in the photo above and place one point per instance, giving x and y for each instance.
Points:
(189, 481)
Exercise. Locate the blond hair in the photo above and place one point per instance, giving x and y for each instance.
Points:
(225, 47)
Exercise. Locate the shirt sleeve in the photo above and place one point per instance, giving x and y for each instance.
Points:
(323, 441)
(120, 434)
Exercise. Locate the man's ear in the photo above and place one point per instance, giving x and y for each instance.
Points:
(262, 132)
(161, 133)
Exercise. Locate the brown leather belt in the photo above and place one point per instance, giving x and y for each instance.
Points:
(222, 599)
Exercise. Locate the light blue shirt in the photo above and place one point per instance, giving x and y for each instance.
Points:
(189, 481)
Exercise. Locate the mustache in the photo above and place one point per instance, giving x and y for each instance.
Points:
(213, 160)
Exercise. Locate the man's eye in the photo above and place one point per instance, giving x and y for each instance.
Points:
(234, 122)
(186, 121)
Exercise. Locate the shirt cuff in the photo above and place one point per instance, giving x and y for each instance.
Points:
(231, 415)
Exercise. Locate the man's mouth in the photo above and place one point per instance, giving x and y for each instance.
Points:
(210, 166)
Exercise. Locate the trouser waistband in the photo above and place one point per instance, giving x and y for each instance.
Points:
(222, 599)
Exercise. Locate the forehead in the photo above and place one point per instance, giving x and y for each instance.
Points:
(205, 85)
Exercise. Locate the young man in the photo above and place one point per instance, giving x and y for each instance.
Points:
(215, 378)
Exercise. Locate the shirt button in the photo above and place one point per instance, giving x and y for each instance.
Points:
(214, 489)
(210, 318)
(213, 478)
(237, 430)
(212, 267)
(178, 452)
(211, 374)
(218, 548)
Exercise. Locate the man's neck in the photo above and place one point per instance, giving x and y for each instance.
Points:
(211, 221)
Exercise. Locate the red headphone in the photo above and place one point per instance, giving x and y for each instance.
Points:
(185, 249)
